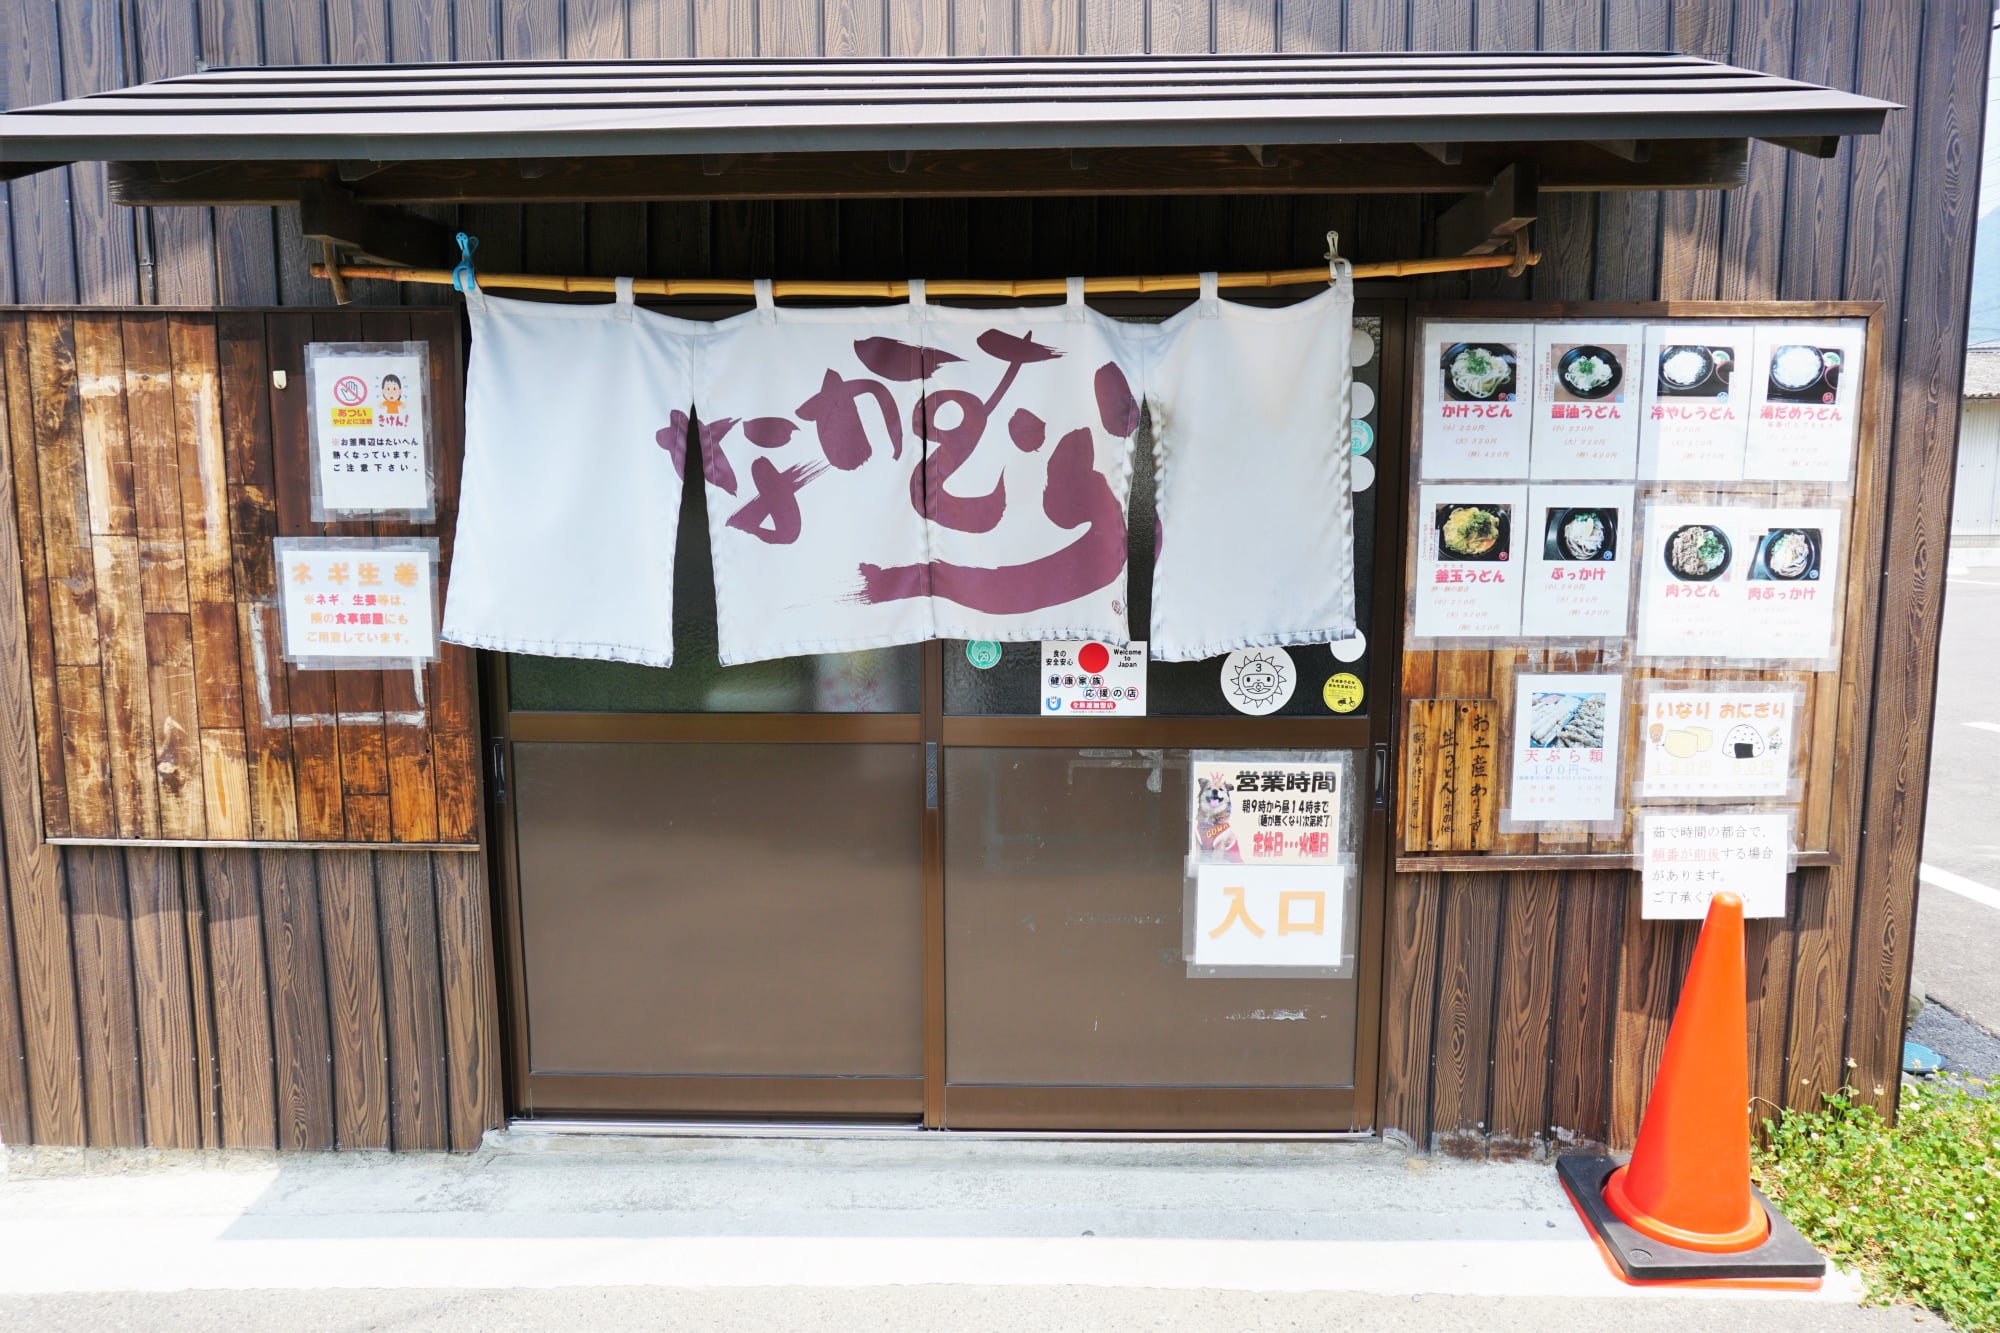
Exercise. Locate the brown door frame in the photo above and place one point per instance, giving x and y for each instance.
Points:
(1189, 1109)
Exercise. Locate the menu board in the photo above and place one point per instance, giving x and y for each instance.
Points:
(1738, 582)
(1586, 407)
(1566, 730)
(1805, 393)
(1478, 400)
(1578, 582)
(1468, 560)
(1693, 409)
(1688, 859)
(1730, 743)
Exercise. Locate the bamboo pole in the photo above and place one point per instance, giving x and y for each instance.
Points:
(1178, 282)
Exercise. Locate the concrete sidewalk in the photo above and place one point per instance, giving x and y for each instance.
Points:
(906, 1231)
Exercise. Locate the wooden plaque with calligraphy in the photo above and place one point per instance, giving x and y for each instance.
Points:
(1450, 770)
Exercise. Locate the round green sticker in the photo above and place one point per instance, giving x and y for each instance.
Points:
(982, 653)
(1343, 692)
(1360, 437)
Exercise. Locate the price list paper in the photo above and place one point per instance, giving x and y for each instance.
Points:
(1804, 403)
(1566, 732)
(1469, 566)
(1694, 412)
(1743, 583)
(1688, 859)
(1586, 409)
(1720, 744)
(1578, 574)
(1478, 400)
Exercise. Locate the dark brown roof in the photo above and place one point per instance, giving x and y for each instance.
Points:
(595, 108)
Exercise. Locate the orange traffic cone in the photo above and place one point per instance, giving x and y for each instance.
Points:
(1683, 1209)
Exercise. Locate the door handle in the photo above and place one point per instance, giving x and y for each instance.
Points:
(1381, 775)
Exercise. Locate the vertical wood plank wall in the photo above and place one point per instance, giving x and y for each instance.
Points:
(1519, 1009)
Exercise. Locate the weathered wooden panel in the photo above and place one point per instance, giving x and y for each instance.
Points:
(154, 462)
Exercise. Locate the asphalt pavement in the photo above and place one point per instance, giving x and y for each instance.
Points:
(1957, 963)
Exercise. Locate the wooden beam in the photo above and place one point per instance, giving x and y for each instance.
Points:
(333, 216)
(1451, 154)
(1631, 150)
(1812, 145)
(1483, 224)
(1704, 164)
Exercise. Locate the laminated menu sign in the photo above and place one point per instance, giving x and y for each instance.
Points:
(1694, 407)
(1478, 400)
(1566, 730)
(1717, 744)
(1250, 811)
(1805, 393)
(368, 429)
(1578, 579)
(1469, 566)
(1688, 859)
(1586, 408)
(357, 601)
(1084, 678)
(1719, 581)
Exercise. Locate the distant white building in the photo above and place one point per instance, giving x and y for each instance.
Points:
(1975, 509)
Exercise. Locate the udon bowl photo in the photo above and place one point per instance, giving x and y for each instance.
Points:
(1588, 372)
(1787, 555)
(1478, 372)
(1698, 553)
(1803, 374)
(1580, 534)
(1474, 531)
(1688, 371)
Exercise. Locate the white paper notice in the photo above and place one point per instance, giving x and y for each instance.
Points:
(1805, 393)
(1693, 414)
(1717, 744)
(1084, 678)
(1263, 813)
(343, 601)
(1578, 552)
(369, 453)
(1478, 399)
(1469, 567)
(1566, 731)
(1264, 916)
(1717, 581)
(1689, 859)
(1587, 384)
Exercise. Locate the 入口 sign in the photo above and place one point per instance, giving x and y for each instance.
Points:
(370, 434)
(1269, 917)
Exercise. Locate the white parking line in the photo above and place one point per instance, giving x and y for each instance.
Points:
(1985, 726)
(1959, 884)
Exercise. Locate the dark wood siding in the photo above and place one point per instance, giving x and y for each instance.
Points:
(1518, 1008)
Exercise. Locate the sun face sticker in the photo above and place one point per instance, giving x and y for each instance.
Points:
(1258, 681)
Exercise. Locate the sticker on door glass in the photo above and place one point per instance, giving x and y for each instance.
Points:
(1258, 681)
(1085, 678)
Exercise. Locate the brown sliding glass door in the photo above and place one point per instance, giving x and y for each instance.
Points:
(882, 887)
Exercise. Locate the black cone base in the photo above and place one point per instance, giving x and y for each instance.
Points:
(1784, 1256)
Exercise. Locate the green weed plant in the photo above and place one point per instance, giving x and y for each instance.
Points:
(1913, 1208)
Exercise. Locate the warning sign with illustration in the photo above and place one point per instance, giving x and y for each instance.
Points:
(1084, 678)
(1724, 743)
(370, 430)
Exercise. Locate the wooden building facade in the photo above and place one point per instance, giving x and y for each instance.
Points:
(323, 996)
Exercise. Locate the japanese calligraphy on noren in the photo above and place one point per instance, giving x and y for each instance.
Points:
(370, 433)
(1687, 859)
(357, 601)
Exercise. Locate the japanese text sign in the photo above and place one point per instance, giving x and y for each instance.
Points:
(1587, 401)
(1736, 582)
(1085, 678)
(1269, 917)
(357, 601)
(1579, 549)
(1804, 403)
(370, 413)
(1469, 560)
(1688, 859)
(1717, 744)
(1479, 400)
(1566, 737)
(1694, 412)
(1257, 812)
